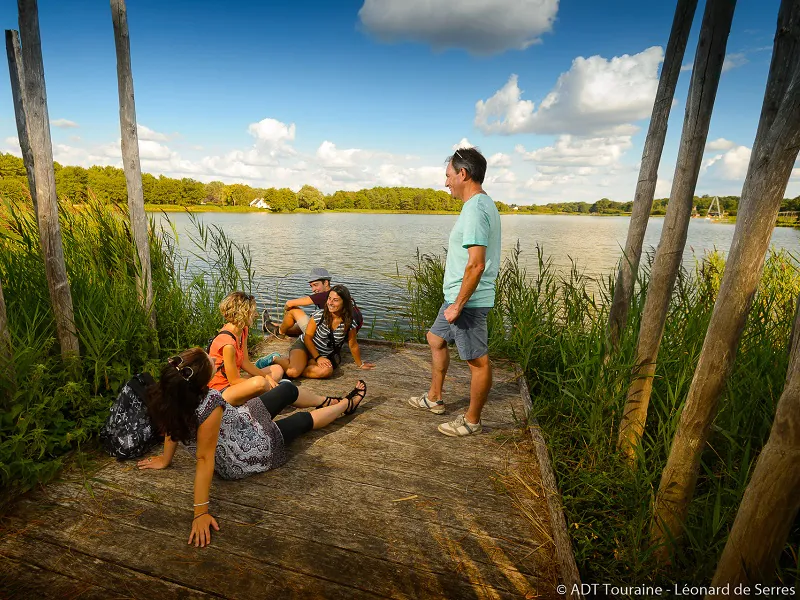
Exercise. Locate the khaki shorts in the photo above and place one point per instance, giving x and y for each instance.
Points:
(303, 321)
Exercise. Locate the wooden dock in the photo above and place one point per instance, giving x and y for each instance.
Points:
(378, 505)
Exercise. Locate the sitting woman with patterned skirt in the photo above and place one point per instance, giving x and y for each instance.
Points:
(232, 438)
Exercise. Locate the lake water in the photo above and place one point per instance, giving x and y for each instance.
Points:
(369, 253)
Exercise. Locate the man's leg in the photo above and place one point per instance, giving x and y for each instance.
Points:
(480, 384)
(440, 361)
(294, 322)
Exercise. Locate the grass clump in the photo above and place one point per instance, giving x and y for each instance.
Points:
(48, 411)
(554, 324)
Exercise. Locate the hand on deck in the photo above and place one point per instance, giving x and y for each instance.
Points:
(153, 462)
(201, 530)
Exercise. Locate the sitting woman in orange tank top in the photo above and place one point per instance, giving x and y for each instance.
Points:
(229, 352)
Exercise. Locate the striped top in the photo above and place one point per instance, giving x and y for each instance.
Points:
(322, 338)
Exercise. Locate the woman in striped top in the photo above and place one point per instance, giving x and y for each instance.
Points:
(317, 352)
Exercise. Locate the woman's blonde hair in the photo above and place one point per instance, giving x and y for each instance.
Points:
(238, 308)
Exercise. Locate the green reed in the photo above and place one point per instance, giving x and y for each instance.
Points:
(47, 412)
(553, 325)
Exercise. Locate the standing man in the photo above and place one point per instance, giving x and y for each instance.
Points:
(473, 260)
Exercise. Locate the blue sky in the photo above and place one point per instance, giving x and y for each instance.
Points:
(353, 94)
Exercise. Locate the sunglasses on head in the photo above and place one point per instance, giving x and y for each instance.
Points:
(177, 362)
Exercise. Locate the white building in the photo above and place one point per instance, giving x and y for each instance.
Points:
(260, 203)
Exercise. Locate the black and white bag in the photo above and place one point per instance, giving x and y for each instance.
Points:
(128, 432)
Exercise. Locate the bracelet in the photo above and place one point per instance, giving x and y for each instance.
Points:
(200, 515)
(201, 504)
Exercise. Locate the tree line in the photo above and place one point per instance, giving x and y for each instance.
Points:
(108, 184)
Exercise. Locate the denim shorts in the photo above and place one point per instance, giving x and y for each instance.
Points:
(469, 331)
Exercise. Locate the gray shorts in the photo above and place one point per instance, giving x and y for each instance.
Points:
(469, 332)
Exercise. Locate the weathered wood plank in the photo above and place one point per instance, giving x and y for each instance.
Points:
(156, 545)
(116, 580)
(23, 581)
(446, 551)
(124, 521)
(294, 490)
(367, 529)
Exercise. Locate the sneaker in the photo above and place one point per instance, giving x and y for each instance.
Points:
(435, 406)
(268, 327)
(266, 361)
(459, 427)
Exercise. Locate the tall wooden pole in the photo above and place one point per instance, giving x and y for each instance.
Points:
(772, 498)
(702, 92)
(771, 162)
(17, 74)
(130, 157)
(648, 175)
(38, 126)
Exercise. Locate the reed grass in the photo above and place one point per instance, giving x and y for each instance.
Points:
(553, 324)
(48, 413)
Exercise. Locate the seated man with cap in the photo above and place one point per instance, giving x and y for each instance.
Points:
(295, 319)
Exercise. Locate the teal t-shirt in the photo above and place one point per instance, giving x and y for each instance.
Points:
(477, 225)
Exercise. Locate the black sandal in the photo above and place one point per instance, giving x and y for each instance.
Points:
(329, 400)
(355, 393)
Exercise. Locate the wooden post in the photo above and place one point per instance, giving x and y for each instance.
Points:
(648, 172)
(774, 152)
(130, 158)
(702, 92)
(38, 126)
(17, 73)
(772, 497)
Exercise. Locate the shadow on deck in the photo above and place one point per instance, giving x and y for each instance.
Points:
(377, 505)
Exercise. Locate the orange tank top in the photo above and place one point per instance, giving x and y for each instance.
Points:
(220, 380)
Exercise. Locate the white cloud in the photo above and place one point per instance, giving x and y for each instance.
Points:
(63, 123)
(502, 177)
(272, 131)
(150, 150)
(145, 133)
(478, 26)
(719, 145)
(596, 96)
(731, 166)
(663, 188)
(464, 143)
(731, 61)
(737, 59)
(570, 151)
(330, 156)
(499, 160)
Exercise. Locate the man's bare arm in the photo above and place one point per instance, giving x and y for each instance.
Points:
(297, 303)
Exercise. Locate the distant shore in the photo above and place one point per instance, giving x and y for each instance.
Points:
(204, 208)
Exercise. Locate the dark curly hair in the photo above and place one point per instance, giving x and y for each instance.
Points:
(173, 399)
(347, 309)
